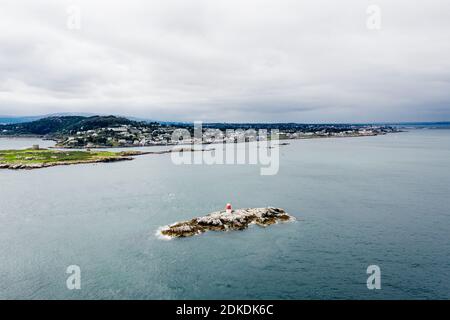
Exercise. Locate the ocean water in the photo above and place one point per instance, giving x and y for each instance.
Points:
(358, 201)
(23, 143)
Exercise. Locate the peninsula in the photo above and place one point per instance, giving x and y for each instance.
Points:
(79, 132)
(36, 158)
(238, 219)
(42, 158)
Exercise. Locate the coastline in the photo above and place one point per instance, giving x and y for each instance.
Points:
(30, 162)
(125, 155)
(56, 146)
(61, 163)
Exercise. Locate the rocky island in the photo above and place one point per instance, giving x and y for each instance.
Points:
(226, 220)
(43, 158)
(36, 158)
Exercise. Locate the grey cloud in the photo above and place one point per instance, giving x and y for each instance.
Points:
(228, 60)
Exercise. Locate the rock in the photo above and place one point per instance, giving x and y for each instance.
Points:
(30, 166)
(221, 221)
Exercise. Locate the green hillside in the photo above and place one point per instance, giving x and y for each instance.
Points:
(64, 124)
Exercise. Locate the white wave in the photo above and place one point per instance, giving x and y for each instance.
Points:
(161, 236)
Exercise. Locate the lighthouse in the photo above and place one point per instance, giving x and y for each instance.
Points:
(228, 208)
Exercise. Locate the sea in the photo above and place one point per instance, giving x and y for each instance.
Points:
(366, 201)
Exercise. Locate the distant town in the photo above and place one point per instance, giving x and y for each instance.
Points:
(111, 131)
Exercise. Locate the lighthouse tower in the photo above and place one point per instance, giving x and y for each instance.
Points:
(228, 208)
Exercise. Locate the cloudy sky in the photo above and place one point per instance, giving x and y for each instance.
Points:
(227, 60)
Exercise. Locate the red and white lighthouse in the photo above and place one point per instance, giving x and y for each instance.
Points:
(228, 208)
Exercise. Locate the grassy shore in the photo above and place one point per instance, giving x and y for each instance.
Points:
(33, 159)
(43, 158)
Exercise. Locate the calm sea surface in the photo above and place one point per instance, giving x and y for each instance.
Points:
(359, 201)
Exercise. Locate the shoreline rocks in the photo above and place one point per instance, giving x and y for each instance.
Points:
(31, 166)
(120, 156)
(222, 221)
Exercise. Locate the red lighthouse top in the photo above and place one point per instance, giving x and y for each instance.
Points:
(228, 207)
